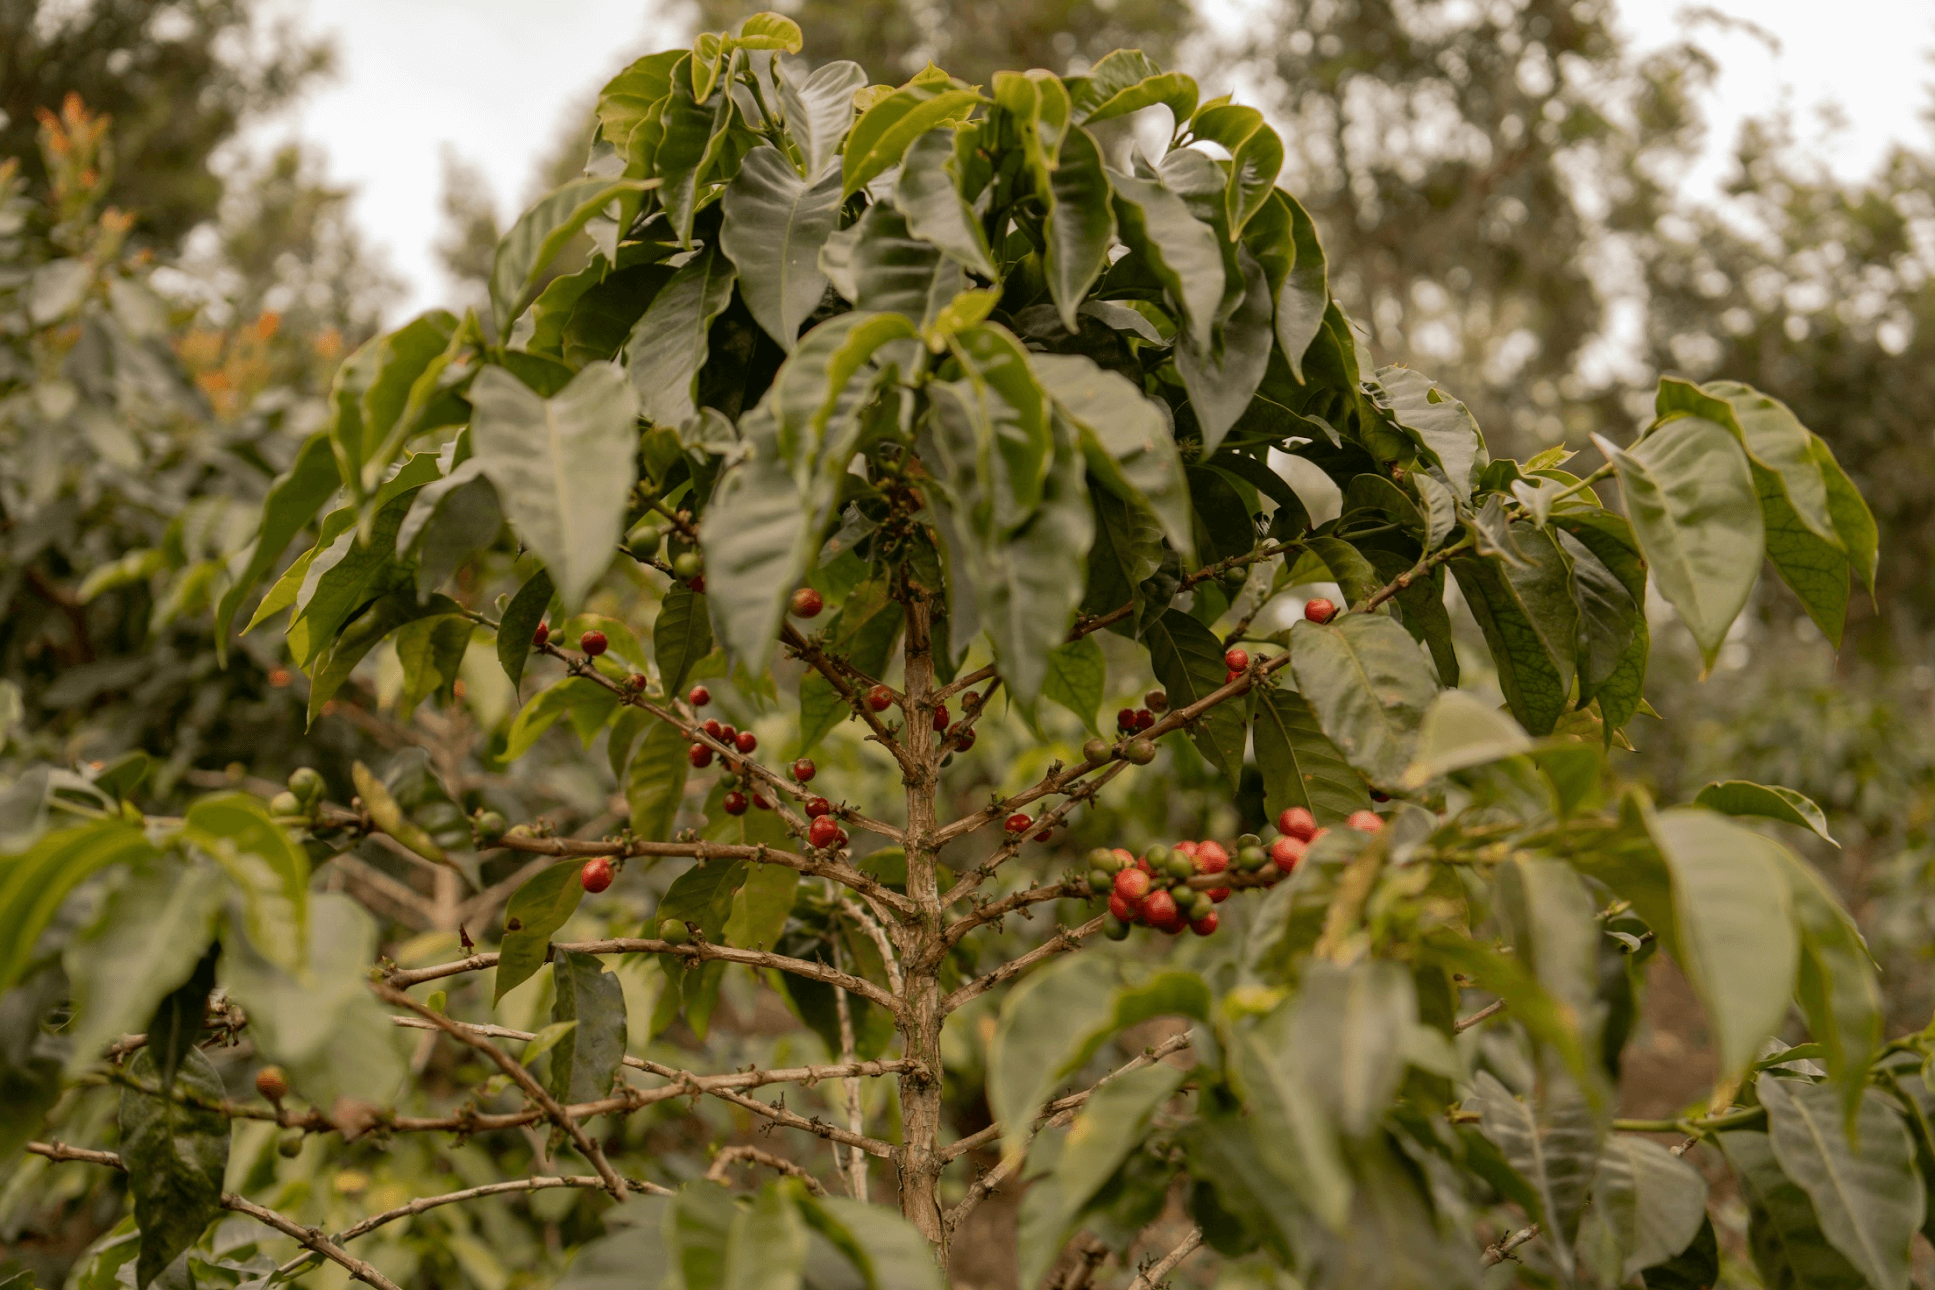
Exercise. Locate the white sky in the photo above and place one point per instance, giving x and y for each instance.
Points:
(492, 79)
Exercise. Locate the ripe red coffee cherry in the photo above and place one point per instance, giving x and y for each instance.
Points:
(1144, 719)
(1230, 676)
(971, 701)
(593, 644)
(807, 603)
(713, 728)
(596, 874)
(1286, 851)
(1125, 720)
(728, 733)
(1018, 823)
(1211, 858)
(541, 635)
(1205, 925)
(965, 740)
(818, 806)
(804, 770)
(271, 1083)
(1161, 912)
(941, 719)
(1379, 797)
(1298, 823)
(840, 839)
(699, 755)
(1044, 835)
(823, 832)
(735, 803)
(698, 696)
(1123, 859)
(880, 698)
(1365, 821)
(1320, 610)
(760, 801)
(1132, 885)
(1236, 660)
(697, 584)
(1124, 910)
(745, 741)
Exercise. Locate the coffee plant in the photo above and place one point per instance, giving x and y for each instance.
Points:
(874, 414)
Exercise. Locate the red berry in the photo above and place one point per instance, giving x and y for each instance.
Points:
(745, 741)
(728, 733)
(596, 874)
(541, 635)
(1379, 797)
(807, 603)
(1286, 851)
(699, 755)
(735, 803)
(965, 740)
(1144, 719)
(1298, 823)
(1044, 835)
(971, 701)
(818, 806)
(1186, 847)
(1230, 676)
(1122, 854)
(1017, 823)
(1320, 610)
(593, 643)
(823, 832)
(635, 682)
(1205, 925)
(1365, 821)
(699, 696)
(1125, 719)
(760, 801)
(880, 698)
(1236, 659)
(697, 584)
(1160, 909)
(713, 728)
(1132, 885)
(804, 770)
(1124, 910)
(840, 839)
(941, 719)
(1219, 894)
(1211, 858)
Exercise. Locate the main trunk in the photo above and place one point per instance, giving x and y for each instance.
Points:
(920, 942)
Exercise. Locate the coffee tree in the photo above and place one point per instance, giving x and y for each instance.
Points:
(876, 409)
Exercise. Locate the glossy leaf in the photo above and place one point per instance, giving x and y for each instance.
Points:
(1530, 618)
(681, 636)
(585, 1062)
(819, 108)
(1851, 1172)
(1081, 223)
(535, 912)
(1125, 439)
(1300, 767)
(1786, 1240)
(293, 500)
(1368, 684)
(519, 625)
(1188, 661)
(1179, 249)
(668, 346)
(929, 199)
(539, 234)
(1771, 801)
(655, 781)
(176, 1154)
(1127, 81)
(1076, 678)
(1222, 385)
(775, 224)
(884, 131)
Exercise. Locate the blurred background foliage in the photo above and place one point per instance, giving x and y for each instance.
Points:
(1497, 183)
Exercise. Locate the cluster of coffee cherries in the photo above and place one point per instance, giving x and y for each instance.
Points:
(1154, 890)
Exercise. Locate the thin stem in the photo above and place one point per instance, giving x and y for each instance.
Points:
(731, 1156)
(1064, 940)
(1150, 1277)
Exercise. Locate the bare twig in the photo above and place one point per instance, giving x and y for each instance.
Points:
(1150, 1277)
(753, 1155)
(1485, 1013)
(1501, 1250)
(1147, 1057)
(1064, 940)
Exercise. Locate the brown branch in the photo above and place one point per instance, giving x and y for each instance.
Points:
(823, 663)
(1150, 1277)
(1491, 1009)
(1147, 1057)
(995, 910)
(1064, 940)
(521, 1077)
(754, 1156)
(1050, 818)
(1499, 1251)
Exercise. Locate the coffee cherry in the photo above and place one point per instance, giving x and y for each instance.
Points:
(1104, 859)
(1123, 860)
(760, 802)
(1233, 580)
(1379, 797)
(687, 564)
(697, 583)
(1250, 859)
(745, 741)
(823, 832)
(880, 698)
(1320, 610)
(271, 1083)
(289, 1145)
(1212, 858)
(1116, 929)
(804, 770)
(1144, 719)
(1101, 881)
(1230, 676)
(1201, 904)
(1160, 911)
(1298, 823)
(635, 682)
(1156, 858)
(541, 635)
(699, 755)
(285, 804)
(1140, 752)
(728, 733)
(1017, 823)
(698, 696)
(1125, 720)
(1206, 925)
(1236, 659)
(971, 701)
(965, 740)
(1096, 750)
(1045, 835)
(941, 719)
(306, 784)
(1365, 821)
(490, 826)
(734, 803)
(840, 840)
(596, 874)
(818, 806)
(1156, 701)
(1125, 910)
(1132, 885)
(593, 644)
(1248, 840)
(1286, 852)
(807, 603)
(673, 931)
(1179, 866)
(713, 728)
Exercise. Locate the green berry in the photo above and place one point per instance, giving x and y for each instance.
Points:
(491, 826)
(285, 804)
(688, 564)
(1115, 929)
(1157, 856)
(1140, 752)
(1104, 859)
(306, 784)
(1249, 840)
(1250, 859)
(289, 1145)
(1180, 866)
(1201, 905)
(1100, 881)
(674, 932)
(1096, 750)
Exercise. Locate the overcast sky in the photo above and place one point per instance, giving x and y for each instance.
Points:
(492, 79)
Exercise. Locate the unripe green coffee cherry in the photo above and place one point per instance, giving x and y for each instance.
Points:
(1249, 840)
(1096, 750)
(1115, 929)
(1104, 859)
(1157, 856)
(306, 784)
(688, 564)
(1233, 579)
(1201, 905)
(490, 826)
(674, 932)
(1180, 866)
(289, 1145)
(1250, 859)
(1140, 752)
(285, 804)
(1100, 881)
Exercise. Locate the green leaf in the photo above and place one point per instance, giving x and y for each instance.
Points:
(334, 665)
(655, 781)
(668, 345)
(929, 199)
(293, 500)
(889, 1253)
(1608, 617)
(884, 131)
(1691, 500)
(564, 467)
(1040, 1021)
(176, 1155)
(1304, 1156)
(1744, 797)
(688, 146)
(755, 535)
(402, 359)
(1788, 1245)
(1345, 1027)
(585, 1062)
(1179, 249)
(1127, 81)
(1734, 929)
(882, 268)
(1695, 1268)
(175, 1027)
(1555, 1150)
(351, 571)
(681, 636)
(1299, 766)
(431, 651)
(1838, 990)
(570, 696)
(762, 906)
(518, 627)
(1077, 675)
(766, 1248)
(1354, 574)
(1081, 223)
(539, 234)
(1188, 661)
(1460, 731)
(1221, 385)
(1368, 684)
(237, 831)
(1858, 1175)
(703, 895)
(1125, 439)
(775, 224)
(147, 940)
(1440, 425)
(1653, 1202)
(1852, 519)
(1303, 293)
(1530, 620)
(819, 108)
(769, 31)
(536, 910)
(33, 885)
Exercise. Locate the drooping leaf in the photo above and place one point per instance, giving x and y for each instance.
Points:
(518, 627)
(1853, 1173)
(1126, 81)
(669, 344)
(539, 234)
(775, 223)
(1077, 675)
(1188, 660)
(681, 636)
(1040, 1021)
(175, 1027)
(1300, 767)
(1368, 684)
(1530, 617)
(293, 500)
(655, 781)
(1653, 1202)
(585, 1062)
(536, 911)
(1771, 801)
(1222, 385)
(1081, 223)
(1783, 1234)
(146, 941)
(1179, 249)
(1554, 1148)
(703, 894)
(929, 199)
(176, 1153)
(1125, 439)
(1838, 989)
